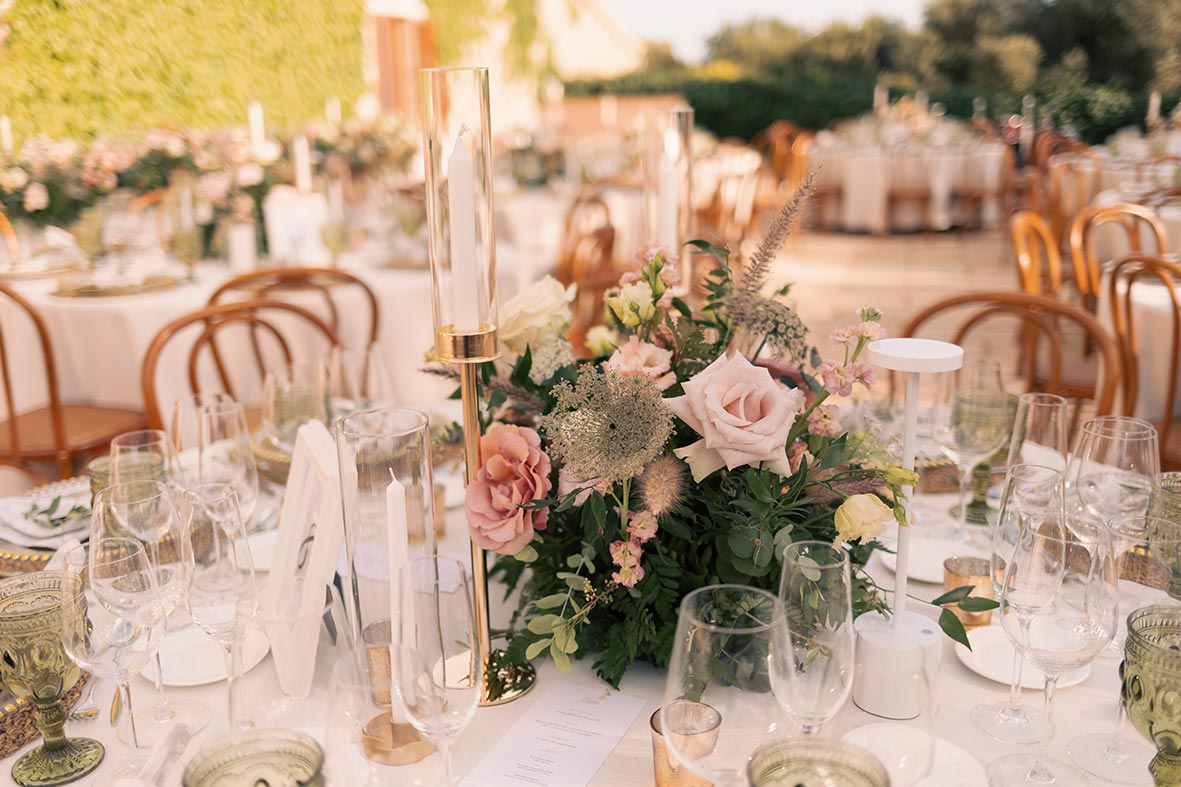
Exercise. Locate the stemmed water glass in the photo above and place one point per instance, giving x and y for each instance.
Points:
(222, 596)
(358, 379)
(211, 432)
(1142, 546)
(1040, 431)
(143, 511)
(722, 659)
(971, 422)
(1112, 468)
(813, 672)
(1056, 636)
(112, 621)
(145, 455)
(435, 655)
(1031, 495)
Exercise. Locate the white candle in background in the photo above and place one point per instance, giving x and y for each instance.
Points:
(258, 131)
(6, 136)
(398, 535)
(186, 206)
(241, 246)
(1154, 106)
(336, 200)
(332, 110)
(303, 164)
(461, 205)
(668, 193)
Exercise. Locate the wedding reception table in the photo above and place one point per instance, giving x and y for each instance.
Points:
(1087, 707)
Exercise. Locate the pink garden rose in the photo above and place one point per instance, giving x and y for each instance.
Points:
(742, 415)
(637, 357)
(514, 471)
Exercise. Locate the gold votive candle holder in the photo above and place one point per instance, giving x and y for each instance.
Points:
(963, 570)
(696, 727)
(376, 637)
(99, 473)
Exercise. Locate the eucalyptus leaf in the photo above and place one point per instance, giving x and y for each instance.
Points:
(535, 650)
(552, 601)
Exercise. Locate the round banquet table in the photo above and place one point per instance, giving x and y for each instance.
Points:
(100, 342)
(1084, 708)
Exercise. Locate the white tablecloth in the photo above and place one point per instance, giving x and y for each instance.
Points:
(1085, 708)
(1111, 240)
(1153, 317)
(866, 175)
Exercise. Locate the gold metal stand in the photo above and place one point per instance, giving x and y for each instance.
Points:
(502, 682)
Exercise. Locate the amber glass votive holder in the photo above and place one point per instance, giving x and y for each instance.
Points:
(963, 570)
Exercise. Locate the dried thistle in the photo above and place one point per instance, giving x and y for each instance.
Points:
(740, 304)
(607, 425)
(662, 485)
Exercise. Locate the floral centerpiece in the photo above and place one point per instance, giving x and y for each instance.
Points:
(690, 450)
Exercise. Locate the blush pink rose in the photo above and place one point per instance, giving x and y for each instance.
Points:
(742, 415)
(514, 471)
(637, 357)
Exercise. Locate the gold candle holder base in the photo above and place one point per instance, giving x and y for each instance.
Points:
(505, 682)
(389, 743)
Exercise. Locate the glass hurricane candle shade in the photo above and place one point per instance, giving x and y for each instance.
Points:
(668, 178)
(457, 154)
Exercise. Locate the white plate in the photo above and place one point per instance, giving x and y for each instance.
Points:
(991, 656)
(262, 548)
(192, 658)
(952, 764)
(927, 556)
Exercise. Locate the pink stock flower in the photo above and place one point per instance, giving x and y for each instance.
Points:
(514, 471)
(861, 372)
(823, 421)
(631, 277)
(642, 526)
(844, 336)
(637, 357)
(871, 330)
(629, 575)
(799, 451)
(837, 379)
(625, 553)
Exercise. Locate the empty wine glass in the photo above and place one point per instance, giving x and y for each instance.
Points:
(222, 596)
(971, 422)
(1031, 494)
(112, 621)
(435, 656)
(143, 511)
(813, 674)
(216, 438)
(358, 380)
(1055, 636)
(144, 455)
(1141, 545)
(293, 394)
(1040, 431)
(721, 658)
(1112, 468)
(184, 427)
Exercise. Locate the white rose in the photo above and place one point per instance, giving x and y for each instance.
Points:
(536, 314)
(861, 517)
(36, 198)
(13, 179)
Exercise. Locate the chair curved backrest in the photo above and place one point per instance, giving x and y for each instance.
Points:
(1125, 273)
(1041, 315)
(11, 243)
(1127, 215)
(214, 319)
(777, 146)
(1033, 243)
(49, 367)
(592, 267)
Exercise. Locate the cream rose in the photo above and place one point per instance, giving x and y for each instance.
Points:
(742, 415)
(860, 517)
(536, 314)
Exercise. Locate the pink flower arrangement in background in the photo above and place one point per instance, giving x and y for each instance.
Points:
(513, 471)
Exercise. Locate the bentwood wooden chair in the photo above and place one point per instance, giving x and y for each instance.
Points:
(591, 266)
(58, 432)
(1046, 318)
(1152, 271)
(1039, 261)
(262, 318)
(776, 144)
(1128, 216)
(587, 214)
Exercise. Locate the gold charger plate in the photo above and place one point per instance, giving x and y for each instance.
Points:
(43, 273)
(88, 290)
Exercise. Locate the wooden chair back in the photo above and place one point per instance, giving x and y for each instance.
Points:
(1069, 187)
(257, 315)
(1039, 262)
(1127, 215)
(1124, 274)
(1044, 317)
(57, 424)
(11, 243)
(776, 144)
(588, 213)
(592, 267)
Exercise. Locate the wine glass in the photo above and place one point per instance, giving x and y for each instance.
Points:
(435, 656)
(184, 428)
(143, 511)
(222, 596)
(218, 436)
(112, 621)
(722, 657)
(1056, 636)
(971, 422)
(1040, 431)
(1112, 468)
(813, 674)
(1141, 545)
(293, 394)
(1031, 494)
(358, 379)
(144, 455)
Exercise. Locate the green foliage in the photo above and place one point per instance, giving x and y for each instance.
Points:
(74, 68)
(455, 24)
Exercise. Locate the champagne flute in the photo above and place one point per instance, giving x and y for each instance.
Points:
(112, 621)
(813, 674)
(435, 656)
(1112, 468)
(143, 511)
(1054, 635)
(1142, 546)
(728, 637)
(971, 422)
(224, 452)
(1032, 493)
(222, 597)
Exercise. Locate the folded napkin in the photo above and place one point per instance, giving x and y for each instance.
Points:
(48, 516)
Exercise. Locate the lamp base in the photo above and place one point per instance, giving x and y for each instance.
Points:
(505, 682)
(887, 655)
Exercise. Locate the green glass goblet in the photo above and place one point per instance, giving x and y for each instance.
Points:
(35, 668)
(1165, 503)
(1151, 675)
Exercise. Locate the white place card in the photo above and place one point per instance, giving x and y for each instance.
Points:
(561, 741)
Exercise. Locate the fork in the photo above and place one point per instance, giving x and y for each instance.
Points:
(86, 710)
